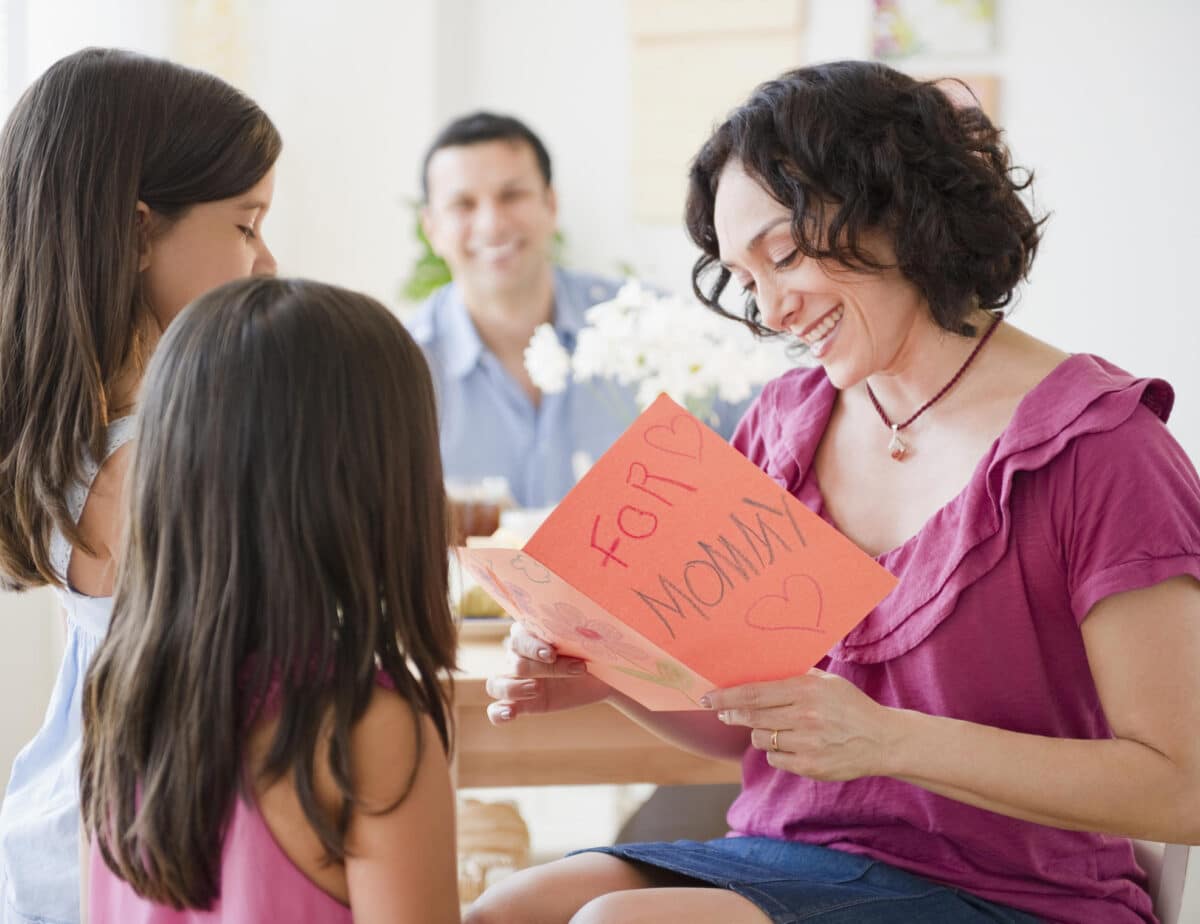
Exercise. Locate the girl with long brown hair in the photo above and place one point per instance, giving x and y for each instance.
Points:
(265, 727)
(128, 186)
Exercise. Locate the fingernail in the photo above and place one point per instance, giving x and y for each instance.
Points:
(576, 667)
(504, 713)
(546, 655)
(705, 702)
(723, 716)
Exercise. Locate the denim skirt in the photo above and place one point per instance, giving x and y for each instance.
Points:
(793, 882)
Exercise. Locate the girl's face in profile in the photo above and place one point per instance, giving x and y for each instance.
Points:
(213, 243)
(853, 322)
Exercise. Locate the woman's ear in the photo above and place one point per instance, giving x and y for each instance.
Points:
(143, 218)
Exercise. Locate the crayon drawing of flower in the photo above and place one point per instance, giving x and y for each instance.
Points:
(521, 597)
(667, 674)
(596, 636)
(491, 583)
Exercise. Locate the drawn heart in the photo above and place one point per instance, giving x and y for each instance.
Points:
(530, 568)
(798, 607)
(682, 438)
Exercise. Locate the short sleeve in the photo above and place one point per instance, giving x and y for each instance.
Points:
(1126, 508)
(749, 437)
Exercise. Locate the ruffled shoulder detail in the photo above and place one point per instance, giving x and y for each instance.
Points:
(969, 536)
(780, 431)
(966, 538)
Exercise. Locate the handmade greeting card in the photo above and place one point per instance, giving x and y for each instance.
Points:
(676, 566)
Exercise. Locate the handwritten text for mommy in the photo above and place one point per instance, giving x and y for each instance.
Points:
(658, 490)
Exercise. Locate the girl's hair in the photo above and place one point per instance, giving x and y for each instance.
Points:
(287, 540)
(95, 133)
(854, 146)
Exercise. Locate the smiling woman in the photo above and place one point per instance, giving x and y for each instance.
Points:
(983, 744)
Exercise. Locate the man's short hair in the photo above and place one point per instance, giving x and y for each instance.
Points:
(480, 127)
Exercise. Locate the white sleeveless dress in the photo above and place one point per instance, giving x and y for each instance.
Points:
(39, 819)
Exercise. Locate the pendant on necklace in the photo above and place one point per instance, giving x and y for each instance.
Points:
(896, 446)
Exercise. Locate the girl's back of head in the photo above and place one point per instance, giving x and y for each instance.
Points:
(96, 134)
(287, 539)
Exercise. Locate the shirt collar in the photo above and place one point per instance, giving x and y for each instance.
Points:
(463, 346)
(569, 308)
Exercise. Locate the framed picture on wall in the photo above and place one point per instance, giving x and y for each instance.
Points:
(903, 28)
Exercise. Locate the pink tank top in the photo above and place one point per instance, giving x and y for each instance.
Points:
(258, 880)
(258, 883)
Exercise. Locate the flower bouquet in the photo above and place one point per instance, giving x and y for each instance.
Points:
(651, 344)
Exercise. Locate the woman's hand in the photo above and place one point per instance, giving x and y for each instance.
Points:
(539, 680)
(818, 725)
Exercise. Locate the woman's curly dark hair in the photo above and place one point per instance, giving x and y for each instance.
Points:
(854, 146)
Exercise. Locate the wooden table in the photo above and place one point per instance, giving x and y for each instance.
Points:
(594, 744)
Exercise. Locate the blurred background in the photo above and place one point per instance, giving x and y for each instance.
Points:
(1098, 97)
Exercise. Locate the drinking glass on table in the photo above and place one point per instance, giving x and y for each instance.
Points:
(475, 506)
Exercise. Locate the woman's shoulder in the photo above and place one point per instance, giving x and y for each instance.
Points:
(1097, 438)
(1088, 395)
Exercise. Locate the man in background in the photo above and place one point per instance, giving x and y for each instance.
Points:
(490, 212)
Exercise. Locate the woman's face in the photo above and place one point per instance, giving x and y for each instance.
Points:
(213, 243)
(855, 323)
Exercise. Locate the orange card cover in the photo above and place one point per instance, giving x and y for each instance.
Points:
(702, 558)
(687, 542)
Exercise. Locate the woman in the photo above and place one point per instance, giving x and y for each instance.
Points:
(982, 745)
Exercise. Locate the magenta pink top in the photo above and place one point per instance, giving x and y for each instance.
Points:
(1084, 494)
(258, 883)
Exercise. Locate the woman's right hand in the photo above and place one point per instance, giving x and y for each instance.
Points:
(538, 679)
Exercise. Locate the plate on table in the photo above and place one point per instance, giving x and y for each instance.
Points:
(483, 628)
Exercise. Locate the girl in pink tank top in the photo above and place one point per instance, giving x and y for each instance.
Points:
(265, 726)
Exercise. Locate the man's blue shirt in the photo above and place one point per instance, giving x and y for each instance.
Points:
(488, 424)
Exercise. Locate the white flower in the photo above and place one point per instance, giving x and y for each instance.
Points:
(654, 343)
(547, 362)
(581, 462)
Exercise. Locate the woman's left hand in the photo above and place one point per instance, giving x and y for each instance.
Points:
(817, 725)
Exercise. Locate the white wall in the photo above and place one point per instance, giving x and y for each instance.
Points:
(31, 645)
(350, 86)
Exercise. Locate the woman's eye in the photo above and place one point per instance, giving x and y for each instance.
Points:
(746, 284)
(788, 260)
(247, 232)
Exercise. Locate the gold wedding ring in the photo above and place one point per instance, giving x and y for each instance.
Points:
(775, 740)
